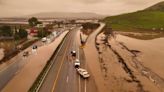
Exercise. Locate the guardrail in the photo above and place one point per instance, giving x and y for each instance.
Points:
(40, 79)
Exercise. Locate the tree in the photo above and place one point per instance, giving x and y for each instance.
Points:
(39, 22)
(33, 21)
(22, 33)
(43, 32)
(89, 25)
(88, 28)
(6, 31)
(60, 23)
(72, 21)
(49, 26)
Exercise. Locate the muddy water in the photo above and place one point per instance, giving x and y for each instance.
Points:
(132, 62)
(113, 65)
(150, 62)
(152, 52)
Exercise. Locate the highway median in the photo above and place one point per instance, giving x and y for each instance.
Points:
(38, 82)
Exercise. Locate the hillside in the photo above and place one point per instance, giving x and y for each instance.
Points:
(149, 19)
(157, 7)
(68, 15)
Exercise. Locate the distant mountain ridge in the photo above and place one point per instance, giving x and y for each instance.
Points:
(83, 15)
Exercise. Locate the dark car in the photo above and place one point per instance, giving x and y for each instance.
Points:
(73, 53)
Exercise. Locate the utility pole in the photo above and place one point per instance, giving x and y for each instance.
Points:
(14, 33)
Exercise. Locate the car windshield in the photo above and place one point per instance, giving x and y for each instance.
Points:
(86, 74)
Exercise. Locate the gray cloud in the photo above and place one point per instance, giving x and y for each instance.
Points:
(89, 1)
(111, 7)
(1, 1)
(139, 2)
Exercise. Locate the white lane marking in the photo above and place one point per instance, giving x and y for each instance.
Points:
(78, 54)
(74, 44)
(62, 44)
(79, 85)
(67, 79)
(85, 86)
(77, 47)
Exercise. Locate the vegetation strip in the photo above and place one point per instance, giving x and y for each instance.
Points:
(40, 78)
(10, 55)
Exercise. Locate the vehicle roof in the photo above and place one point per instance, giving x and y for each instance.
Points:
(85, 72)
(82, 69)
(77, 60)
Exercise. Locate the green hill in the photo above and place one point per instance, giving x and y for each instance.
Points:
(149, 19)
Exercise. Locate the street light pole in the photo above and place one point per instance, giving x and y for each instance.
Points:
(15, 29)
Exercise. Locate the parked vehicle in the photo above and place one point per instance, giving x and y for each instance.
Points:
(83, 73)
(34, 47)
(25, 54)
(44, 39)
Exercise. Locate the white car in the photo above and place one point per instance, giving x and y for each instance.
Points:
(48, 40)
(83, 73)
(44, 39)
(77, 63)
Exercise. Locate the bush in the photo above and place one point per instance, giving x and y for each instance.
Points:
(88, 28)
(43, 33)
(6, 31)
(91, 26)
(23, 33)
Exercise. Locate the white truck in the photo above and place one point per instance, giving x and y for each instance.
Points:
(83, 73)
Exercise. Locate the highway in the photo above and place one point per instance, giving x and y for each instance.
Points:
(62, 76)
(13, 66)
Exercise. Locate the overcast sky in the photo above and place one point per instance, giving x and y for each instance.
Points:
(106, 7)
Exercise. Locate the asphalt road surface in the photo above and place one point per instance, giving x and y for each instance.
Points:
(15, 64)
(13, 67)
(63, 77)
